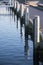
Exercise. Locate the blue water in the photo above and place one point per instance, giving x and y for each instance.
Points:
(12, 41)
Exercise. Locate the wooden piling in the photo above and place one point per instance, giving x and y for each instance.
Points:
(15, 4)
(18, 7)
(36, 30)
(36, 23)
(26, 15)
(21, 10)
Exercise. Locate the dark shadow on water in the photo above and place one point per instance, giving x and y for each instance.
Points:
(38, 54)
(17, 17)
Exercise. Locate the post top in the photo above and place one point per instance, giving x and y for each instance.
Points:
(37, 16)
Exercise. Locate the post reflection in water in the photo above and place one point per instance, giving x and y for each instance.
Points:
(21, 25)
(36, 56)
(23, 31)
(26, 47)
(17, 17)
(12, 14)
(7, 8)
(17, 24)
(10, 11)
(14, 17)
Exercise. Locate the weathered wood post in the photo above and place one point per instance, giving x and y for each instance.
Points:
(21, 10)
(36, 27)
(18, 7)
(36, 24)
(15, 4)
(26, 15)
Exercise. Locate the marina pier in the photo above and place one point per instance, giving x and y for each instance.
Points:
(21, 33)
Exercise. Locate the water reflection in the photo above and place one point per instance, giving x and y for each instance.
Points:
(26, 34)
(9, 10)
(11, 33)
(21, 25)
(17, 17)
(26, 47)
(17, 23)
(38, 54)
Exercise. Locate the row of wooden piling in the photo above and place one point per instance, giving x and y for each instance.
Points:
(22, 11)
(31, 26)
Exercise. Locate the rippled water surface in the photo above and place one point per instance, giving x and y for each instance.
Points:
(15, 49)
